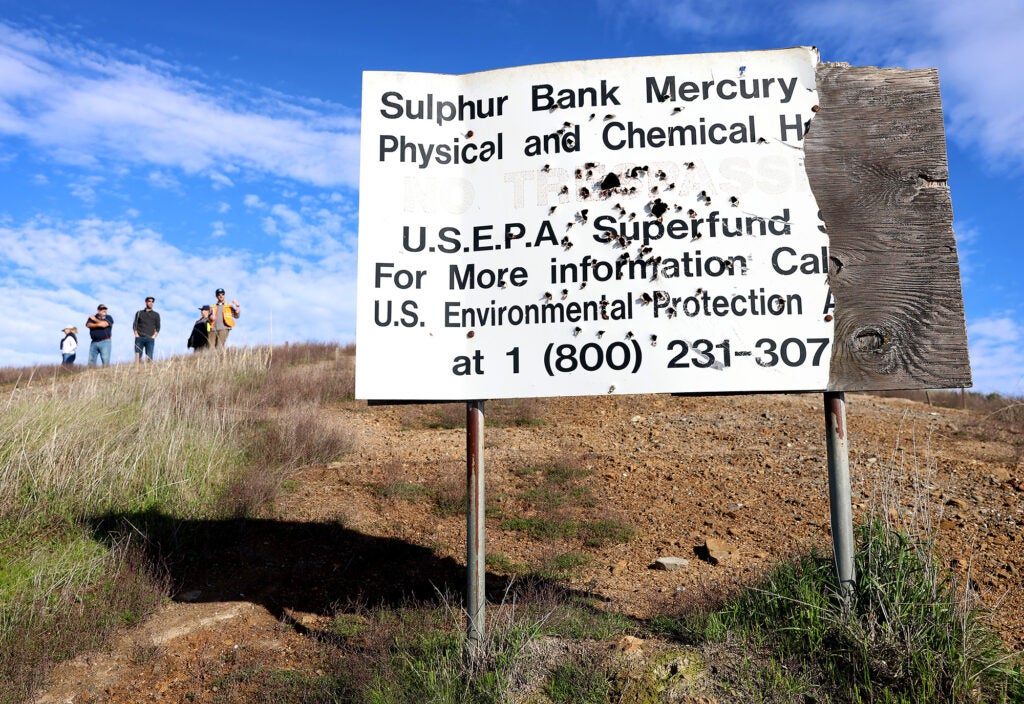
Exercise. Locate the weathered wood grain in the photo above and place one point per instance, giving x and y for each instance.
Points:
(876, 162)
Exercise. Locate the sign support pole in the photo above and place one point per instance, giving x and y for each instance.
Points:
(475, 549)
(839, 494)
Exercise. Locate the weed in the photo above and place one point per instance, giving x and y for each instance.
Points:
(596, 534)
(400, 490)
(592, 533)
(912, 633)
(502, 564)
(579, 620)
(579, 680)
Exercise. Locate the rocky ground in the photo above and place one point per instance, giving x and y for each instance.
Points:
(746, 471)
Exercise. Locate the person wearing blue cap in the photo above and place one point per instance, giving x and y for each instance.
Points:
(100, 327)
(200, 337)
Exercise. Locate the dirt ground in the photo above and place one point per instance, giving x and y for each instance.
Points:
(746, 470)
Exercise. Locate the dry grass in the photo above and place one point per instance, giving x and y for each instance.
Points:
(208, 435)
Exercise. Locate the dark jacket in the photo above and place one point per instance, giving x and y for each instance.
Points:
(147, 323)
(200, 336)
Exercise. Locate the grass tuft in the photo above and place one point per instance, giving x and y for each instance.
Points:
(912, 633)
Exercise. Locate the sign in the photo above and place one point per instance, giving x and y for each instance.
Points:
(617, 226)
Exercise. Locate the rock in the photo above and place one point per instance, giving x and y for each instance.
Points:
(1001, 474)
(957, 503)
(715, 550)
(670, 564)
(629, 644)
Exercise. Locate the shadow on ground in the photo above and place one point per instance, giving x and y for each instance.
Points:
(285, 565)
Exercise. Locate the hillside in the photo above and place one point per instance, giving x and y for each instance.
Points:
(383, 523)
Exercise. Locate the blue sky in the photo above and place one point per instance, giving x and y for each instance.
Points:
(168, 149)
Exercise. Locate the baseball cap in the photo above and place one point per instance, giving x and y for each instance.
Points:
(206, 308)
(218, 292)
(150, 298)
(101, 307)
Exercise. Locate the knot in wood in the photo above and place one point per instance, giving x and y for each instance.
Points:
(868, 340)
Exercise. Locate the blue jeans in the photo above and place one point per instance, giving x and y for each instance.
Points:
(101, 349)
(68, 359)
(144, 344)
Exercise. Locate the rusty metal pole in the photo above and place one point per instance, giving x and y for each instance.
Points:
(475, 550)
(839, 494)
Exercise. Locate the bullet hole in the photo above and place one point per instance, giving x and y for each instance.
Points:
(610, 181)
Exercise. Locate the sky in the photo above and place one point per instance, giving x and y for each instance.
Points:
(169, 149)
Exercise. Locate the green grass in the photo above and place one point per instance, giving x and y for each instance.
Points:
(910, 634)
(578, 681)
(400, 490)
(591, 533)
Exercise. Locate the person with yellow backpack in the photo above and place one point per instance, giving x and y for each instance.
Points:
(222, 320)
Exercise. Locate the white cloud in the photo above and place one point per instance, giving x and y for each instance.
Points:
(252, 200)
(218, 229)
(220, 180)
(997, 358)
(84, 189)
(309, 231)
(86, 107)
(164, 180)
(223, 208)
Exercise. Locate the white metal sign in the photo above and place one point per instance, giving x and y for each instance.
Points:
(618, 226)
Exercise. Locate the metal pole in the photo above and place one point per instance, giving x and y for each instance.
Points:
(839, 495)
(475, 552)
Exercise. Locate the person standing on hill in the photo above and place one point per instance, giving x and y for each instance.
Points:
(222, 320)
(146, 327)
(101, 327)
(200, 337)
(69, 346)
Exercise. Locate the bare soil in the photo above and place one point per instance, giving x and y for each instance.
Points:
(746, 470)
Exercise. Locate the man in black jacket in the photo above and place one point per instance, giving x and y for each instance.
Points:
(146, 328)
